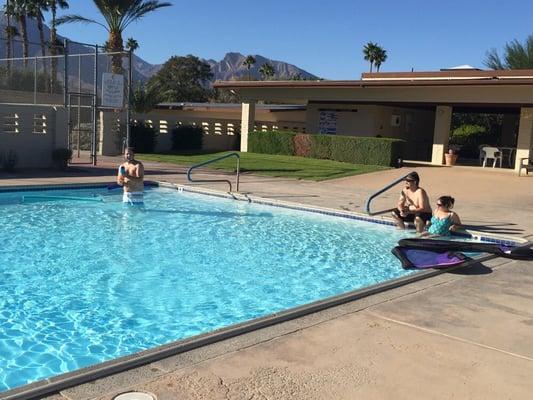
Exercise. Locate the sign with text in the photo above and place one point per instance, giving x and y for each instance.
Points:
(112, 90)
(327, 122)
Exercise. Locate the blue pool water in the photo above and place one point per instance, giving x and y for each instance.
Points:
(85, 282)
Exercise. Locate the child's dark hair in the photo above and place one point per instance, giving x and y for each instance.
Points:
(447, 201)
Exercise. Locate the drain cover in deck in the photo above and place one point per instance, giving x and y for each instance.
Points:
(135, 396)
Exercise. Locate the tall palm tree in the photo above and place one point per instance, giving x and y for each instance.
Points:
(118, 14)
(375, 54)
(11, 32)
(53, 6)
(380, 57)
(19, 10)
(267, 71)
(515, 56)
(132, 44)
(248, 62)
(369, 52)
(35, 10)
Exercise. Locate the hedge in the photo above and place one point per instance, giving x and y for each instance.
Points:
(272, 142)
(143, 138)
(351, 149)
(187, 137)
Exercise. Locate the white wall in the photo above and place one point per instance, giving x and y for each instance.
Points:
(32, 132)
(413, 125)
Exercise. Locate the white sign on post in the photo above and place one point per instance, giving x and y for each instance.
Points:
(112, 90)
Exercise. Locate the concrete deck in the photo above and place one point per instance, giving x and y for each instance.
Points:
(463, 335)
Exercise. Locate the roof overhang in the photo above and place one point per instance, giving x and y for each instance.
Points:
(500, 88)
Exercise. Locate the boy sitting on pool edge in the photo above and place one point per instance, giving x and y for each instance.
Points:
(130, 176)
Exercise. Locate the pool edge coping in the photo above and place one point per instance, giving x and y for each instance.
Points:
(55, 384)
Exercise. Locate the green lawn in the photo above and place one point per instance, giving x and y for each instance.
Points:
(271, 165)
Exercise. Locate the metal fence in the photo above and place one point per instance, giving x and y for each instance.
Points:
(83, 78)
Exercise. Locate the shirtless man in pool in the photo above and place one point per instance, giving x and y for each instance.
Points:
(130, 177)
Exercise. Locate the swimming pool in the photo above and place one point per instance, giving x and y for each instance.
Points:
(83, 282)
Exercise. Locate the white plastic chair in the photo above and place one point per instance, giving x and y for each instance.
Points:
(481, 152)
(492, 153)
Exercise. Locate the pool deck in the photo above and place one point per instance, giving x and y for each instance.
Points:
(466, 334)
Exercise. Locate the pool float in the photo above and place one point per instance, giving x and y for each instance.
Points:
(434, 253)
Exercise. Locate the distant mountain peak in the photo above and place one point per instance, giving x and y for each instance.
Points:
(230, 67)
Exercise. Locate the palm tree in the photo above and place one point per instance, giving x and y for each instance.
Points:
(118, 14)
(369, 52)
(53, 6)
(19, 10)
(248, 62)
(516, 56)
(380, 57)
(375, 54)
(35, 10)
(267, 71)
(11, 32)
(132, 44)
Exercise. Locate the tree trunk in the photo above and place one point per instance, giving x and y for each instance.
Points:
(370, 67)
(53, 50)
(9, 42)
(116, 45)
(24, 32)
(41, 39)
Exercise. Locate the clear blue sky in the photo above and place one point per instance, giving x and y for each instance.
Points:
(324, 37)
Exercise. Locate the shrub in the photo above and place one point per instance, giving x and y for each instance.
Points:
(321, 146)
(61, 157)
(302, 145)
(468, 138)
(272, 142)
(366, 150)
(61, 154)
(9, 160)
(142, 137)
(187, 137)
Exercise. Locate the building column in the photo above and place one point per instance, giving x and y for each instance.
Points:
(441, 133)
(247, 123)
(525, 136)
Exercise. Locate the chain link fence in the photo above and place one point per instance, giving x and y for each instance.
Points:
(83, 78)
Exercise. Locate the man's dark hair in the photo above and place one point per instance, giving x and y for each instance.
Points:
(413, 176)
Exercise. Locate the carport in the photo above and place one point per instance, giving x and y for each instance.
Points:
(415, 106)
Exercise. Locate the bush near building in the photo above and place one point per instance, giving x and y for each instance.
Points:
(352, 149)
(187, 137)
(143, 137)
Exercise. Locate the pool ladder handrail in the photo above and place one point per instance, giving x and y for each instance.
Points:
(189, 171)
(373, 196)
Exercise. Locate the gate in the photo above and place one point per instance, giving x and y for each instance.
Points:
(78, 78)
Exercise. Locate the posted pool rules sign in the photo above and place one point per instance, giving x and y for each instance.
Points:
(112, 90)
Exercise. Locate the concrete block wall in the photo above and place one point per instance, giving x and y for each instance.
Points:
(32, 132)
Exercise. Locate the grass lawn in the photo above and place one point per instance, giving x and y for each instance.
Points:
(271, 165)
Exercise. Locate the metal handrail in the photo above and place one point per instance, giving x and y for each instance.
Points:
(212, 161)
(372, 197)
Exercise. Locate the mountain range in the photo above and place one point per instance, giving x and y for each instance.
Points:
(230, 67)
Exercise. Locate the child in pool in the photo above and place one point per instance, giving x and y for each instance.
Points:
(444, 220)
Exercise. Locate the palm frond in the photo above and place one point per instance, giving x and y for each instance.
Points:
(139, 9)
(68, 19)
(493, 60)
